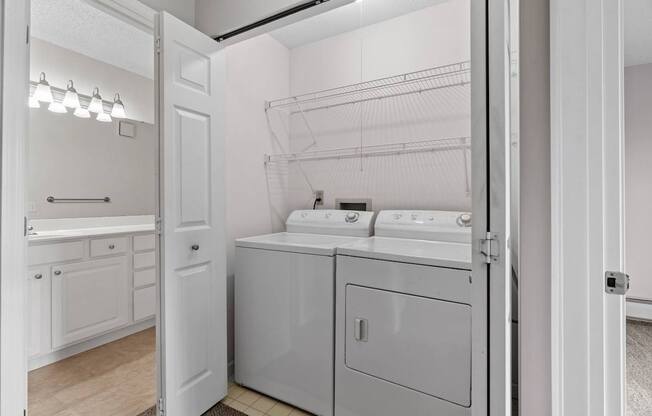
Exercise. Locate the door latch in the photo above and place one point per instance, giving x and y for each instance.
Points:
(616, 283)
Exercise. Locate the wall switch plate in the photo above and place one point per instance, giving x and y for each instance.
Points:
(319, 198)
(127, 129)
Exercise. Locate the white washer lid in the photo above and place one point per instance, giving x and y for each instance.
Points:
(331, 222)
(429, 253)
(318, 244)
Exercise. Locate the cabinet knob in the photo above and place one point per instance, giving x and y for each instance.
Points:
(57, 272)
(111, 246)
(195, 247)
(38, 276)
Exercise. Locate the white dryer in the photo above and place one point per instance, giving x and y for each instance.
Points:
(284, 307)
(409, 320)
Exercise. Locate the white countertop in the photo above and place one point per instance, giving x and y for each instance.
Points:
(51, 230)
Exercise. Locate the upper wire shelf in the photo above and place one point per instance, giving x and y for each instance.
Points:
(421, 146)
(452, 75)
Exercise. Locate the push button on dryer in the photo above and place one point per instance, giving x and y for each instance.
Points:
(352, 217)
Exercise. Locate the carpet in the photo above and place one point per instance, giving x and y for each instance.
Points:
(217, 410)
(639, 368)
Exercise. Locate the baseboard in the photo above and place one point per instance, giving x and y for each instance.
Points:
(639, 309)
(75, 349)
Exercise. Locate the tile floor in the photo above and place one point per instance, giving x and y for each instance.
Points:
(255, 404)
(116, 379)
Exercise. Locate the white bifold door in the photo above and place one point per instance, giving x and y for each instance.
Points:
(190, 117)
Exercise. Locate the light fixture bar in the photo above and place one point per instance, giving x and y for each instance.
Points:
(60, 93)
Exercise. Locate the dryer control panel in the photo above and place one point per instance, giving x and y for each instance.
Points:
(331, 222)
(448, 226)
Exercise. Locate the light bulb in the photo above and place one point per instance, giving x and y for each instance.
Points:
(33, 102)
(103, 117)
(118, 110)
(43, 92)
(71, 99)
(96, 105)
(81, 112)
(57, 107)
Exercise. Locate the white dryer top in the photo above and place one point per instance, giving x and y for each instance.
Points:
(318, 244)
(450, 226)
(428, 253)
(331, 222)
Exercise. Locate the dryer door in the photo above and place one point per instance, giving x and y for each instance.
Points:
(419, 343)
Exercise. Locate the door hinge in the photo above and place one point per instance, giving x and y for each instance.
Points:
(161, 406)
(489, 248)
(157, 45)
(24, 226)
(616, 283)
(27, 35)
(159, 226)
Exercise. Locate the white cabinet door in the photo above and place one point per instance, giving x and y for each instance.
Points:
(88, 298)
(191, 77)
(38, 333)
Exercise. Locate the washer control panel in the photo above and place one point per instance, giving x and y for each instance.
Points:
(332, 222)
(449, 226)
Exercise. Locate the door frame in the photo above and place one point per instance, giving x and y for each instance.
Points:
(587, 326)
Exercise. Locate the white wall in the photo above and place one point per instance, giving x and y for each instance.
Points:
(257, 69)
(83, 158)
(61, 65)
(434, 36)
(638, 179)
(183, 9)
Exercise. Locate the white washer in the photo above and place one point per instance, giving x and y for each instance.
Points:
(405, 323)
(284, 307)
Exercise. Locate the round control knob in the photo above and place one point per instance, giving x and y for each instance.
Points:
(195, 247)
(38, 276)
(111, 246)
(352, 217)
(464, 220)
(397, 216)
(57, 272)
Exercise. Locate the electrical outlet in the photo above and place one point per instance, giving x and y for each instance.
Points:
(319, 198)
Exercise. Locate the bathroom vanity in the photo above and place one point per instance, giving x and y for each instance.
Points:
(91, 281)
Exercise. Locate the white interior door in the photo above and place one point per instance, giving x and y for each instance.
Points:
(191, 72)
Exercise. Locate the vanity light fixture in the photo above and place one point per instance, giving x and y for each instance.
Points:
(71, 99)
(103, 117)
(33, 102)
(81, 112)
(43, 91)
(57, 107)
(96, 105)
(118, 110)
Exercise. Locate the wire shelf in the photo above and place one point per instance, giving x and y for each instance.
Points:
(422, 146)
(447, 76)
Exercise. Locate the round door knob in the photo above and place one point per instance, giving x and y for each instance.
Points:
(57, 272)
(111, 246)
(38, 276)
(195, 247)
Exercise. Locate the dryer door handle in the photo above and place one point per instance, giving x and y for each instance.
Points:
(361, 330)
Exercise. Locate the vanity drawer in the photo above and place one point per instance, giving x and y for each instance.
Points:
(143, 260)
(108, 246)
(55, 253)
(144, 277)
(144, 303)
(144, 242)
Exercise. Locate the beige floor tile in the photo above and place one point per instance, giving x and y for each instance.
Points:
(249, 397)
(228, 401)
(263, 404)
(253, 412)
(279, 409)
(235, 391)
(297, 412)
(238, 406)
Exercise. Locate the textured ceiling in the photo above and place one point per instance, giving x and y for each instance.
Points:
(638, 32)
(80, 27)
(347, 18)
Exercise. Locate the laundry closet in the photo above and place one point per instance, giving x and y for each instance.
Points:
(348, 151)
